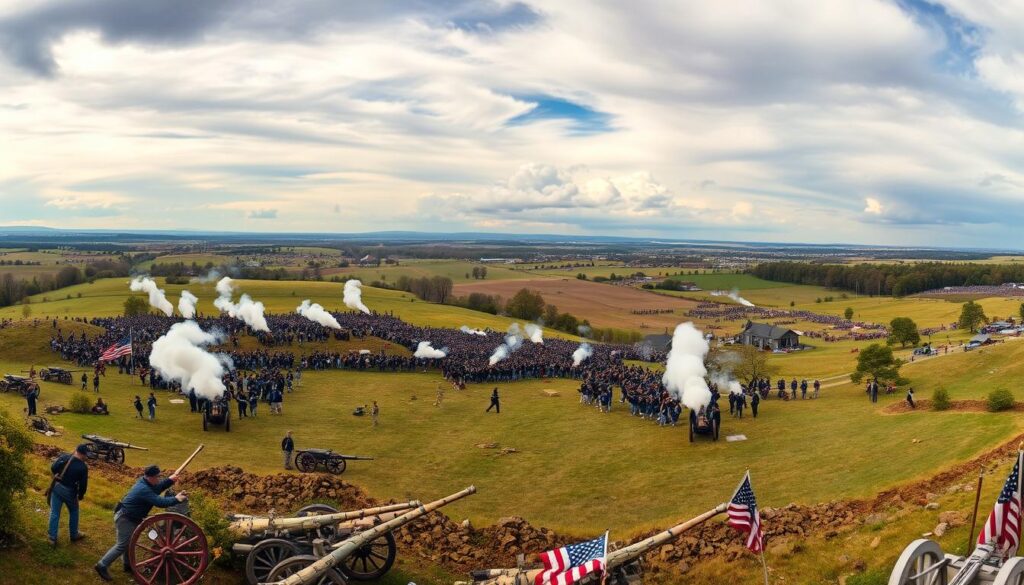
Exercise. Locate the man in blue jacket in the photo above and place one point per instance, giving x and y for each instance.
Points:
(132, 510)
(71, 479)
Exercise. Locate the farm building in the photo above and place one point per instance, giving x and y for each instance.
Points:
(765, 336)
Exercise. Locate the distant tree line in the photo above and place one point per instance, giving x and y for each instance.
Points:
(14, 290)
(890, 279)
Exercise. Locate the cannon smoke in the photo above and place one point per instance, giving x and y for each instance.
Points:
(314, 312)
(425, 350)
(187, 304)
(535, 333)
(582, 352)
(247, 309)
(734, 294)
(685, 371)
(469, 331)
(157, 298)
(354, 296)
(513, 340)
(179, 355)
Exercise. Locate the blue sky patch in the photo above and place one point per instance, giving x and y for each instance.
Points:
(584, 120)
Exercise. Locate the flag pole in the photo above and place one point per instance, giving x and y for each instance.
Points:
(131, 359)
(974, 515)
(764, 565)
(604, 560)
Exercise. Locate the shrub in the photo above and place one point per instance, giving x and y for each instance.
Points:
(999, 400)
(208, 516)
(940, 399)
(14, 444)
(80, 402)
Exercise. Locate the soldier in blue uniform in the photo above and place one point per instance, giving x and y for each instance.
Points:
(71, 479)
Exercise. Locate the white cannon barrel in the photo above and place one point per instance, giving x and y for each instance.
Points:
(252, 525)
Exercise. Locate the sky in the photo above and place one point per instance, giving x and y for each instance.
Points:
(863, 121)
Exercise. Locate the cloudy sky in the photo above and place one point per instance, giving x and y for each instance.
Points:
(862, 121)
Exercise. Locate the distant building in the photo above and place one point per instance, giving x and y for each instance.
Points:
(765, 336)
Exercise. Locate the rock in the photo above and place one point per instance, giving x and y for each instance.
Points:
(931, 506)
(875, 542)
(487, 445)
(873, 519)
(509, 450)
(952, 518)
(940, 529)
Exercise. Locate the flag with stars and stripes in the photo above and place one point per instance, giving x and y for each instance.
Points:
(122, 347)
(1002, 529)
(571, 563)
(743, 515)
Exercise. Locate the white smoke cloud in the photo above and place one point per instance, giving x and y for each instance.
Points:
(157, 298)
(354, 296)
(582, 352)
(685, 371)
(187, 304)
(246, 309)
(535, 333)
(179, 355)
(469, 331)
(734, 294)
(584, 330)
(314, 312)
(513, 340)
(211, 276)
(425, 350)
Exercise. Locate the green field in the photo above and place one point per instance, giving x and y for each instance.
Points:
(727, 281)
(458, 271)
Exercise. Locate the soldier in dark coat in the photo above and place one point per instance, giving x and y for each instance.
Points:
(755, 400)
(495, 402)
(71, 479)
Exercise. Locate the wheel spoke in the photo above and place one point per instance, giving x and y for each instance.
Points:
(147, 561)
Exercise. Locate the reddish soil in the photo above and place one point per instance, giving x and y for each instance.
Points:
(954, 405)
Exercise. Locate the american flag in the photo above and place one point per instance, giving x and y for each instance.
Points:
(743, 515)
(1003, 525)
(122, 347)
(571, 563)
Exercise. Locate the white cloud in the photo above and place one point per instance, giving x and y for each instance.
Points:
(872, 206)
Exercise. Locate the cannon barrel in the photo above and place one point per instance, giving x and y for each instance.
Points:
(252, 525)
(628, 553)
(345, 548)
(112, 442)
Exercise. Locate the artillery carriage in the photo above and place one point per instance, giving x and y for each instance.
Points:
(924, 563)
(707, 422)
(109, 449)
(217, 412)
(54, 374)
(19, 384)
(310, 460)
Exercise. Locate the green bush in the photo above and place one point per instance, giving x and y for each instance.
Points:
(81, 403)
(940, 399)
(208, 516)
(999, 400)
(14, 444)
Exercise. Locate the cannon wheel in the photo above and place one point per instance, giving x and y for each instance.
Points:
(714, 430)
(371, 561)
(206, 422)
(691, 433)
(1012, 572)
(266, 555)
(227, 420)
(305, 462)
(44, 374)
(168, 549)
(336, 465)
(292, 565)
(115, 455)
(918, 557)
(315, 509)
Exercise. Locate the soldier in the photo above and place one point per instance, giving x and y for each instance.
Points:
(193, 403)
(30, 398)
(495, 402)
(151, 403)
(254, 401)
(375, 413)
(755, 400)
(817, 387)
(874, 391)
(243, 403)
(910, 397)
(287, 446)
(803, 389)
(96, 383)
(138, 406)
(792, 388)
(70, 480)
(132, 510)
(85, 381)
(440, 396)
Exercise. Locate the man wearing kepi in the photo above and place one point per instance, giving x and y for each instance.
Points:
(70, 480)
(132, 510)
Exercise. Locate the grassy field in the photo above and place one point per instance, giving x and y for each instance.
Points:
(458, 271)
(726, 281)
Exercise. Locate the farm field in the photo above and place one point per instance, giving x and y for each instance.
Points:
(458, 271)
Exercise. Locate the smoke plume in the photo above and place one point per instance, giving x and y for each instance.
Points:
(354, 296)
(685, 371)
(247, 309)
(582, 352)
(179, 355)
(187, 304)
(314, 312)
(734, 294)
(584, 330)
(535, 333)
(425, 350)
(157, 298)
(513, 340)
(469, 331)
(210, 276)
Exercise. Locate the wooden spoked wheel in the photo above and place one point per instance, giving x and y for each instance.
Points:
(168, 549)
(1011, 573)
(305, 462)
(315, 509)
(922, 563)
(115, 455)
(371, 561)
(336, 465)
(266, 555)
(290, 566)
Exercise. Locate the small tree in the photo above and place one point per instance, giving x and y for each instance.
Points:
(14, 476)
(134, 305)
(525, 305)
(903, 330)
(848, 313)
(750, 364)
(26, 308)
(971, 316)
(999, 400)
(877, 362)
(1021, 312)
(483, 272)
(940, 399)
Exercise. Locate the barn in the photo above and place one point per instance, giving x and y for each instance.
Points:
(765, 336)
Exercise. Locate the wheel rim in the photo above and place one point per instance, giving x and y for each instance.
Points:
(315, 509)
(168, 549)
(290, 566)
(305, 462)
(336, 465)
(373, 560)
(266, 555)
(916, 559)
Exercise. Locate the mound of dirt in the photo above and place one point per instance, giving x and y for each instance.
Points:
(955, 405)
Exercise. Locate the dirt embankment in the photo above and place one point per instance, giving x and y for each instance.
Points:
(954, 406)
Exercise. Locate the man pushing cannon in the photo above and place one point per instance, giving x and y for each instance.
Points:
(133, 509)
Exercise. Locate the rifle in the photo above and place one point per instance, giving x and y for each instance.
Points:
(58, 477)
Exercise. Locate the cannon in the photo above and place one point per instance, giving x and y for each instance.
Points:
(108, 449)
(217, 412)
(266, 541)
(310, 460)
(19, 384)
(54, 374)
(707, 422)
(322, 566)
(623, 565)
(924, 563)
